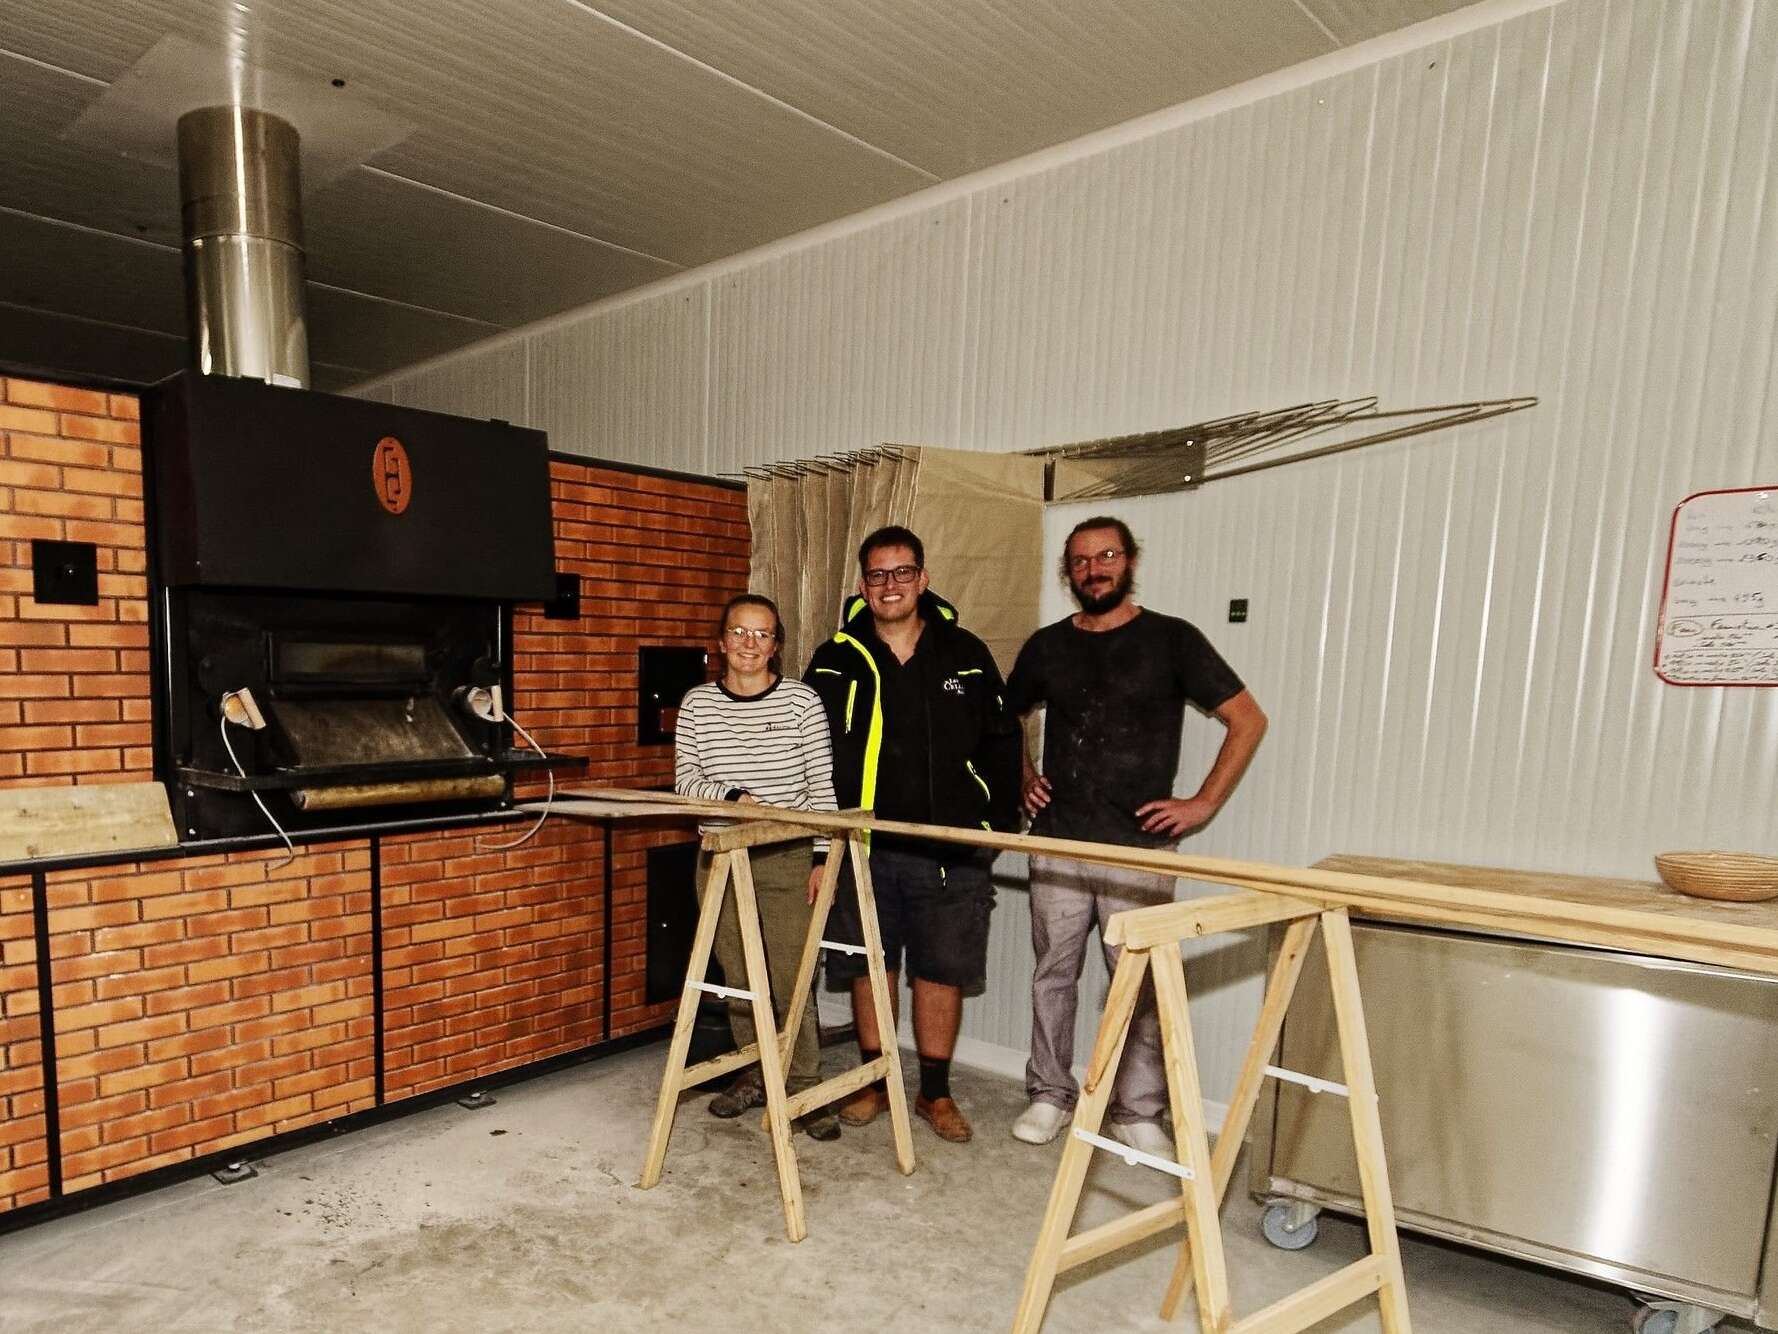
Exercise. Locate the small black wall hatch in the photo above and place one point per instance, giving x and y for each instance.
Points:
(1237, 609)
(65, 573)
(565, 605)
(664, 674)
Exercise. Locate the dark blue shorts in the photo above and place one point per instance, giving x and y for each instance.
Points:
(931, 908)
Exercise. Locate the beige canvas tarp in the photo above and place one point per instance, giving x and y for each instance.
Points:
(979, 515)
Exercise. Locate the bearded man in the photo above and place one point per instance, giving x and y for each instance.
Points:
(1114, 679)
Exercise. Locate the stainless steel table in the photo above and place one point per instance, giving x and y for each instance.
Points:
(1608, 1114)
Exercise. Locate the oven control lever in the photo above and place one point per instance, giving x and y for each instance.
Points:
(241, 709)
(481, 702)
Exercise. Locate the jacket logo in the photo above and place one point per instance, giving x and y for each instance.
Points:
(391, 476)
(953, 684)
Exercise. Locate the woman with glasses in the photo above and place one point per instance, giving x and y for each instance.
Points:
(753, 736)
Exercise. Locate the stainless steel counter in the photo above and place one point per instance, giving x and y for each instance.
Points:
(1608, 1114)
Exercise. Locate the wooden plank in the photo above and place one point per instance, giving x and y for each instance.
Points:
(900, 1128)
(1077, 1154)
(1191, 1141)
(1616, 892)
(1085, 1247)
(1287, 968)
(1310, 1305)
(1679, 931)
(754, 835)
(704, 1071)
(831, 1090)
(1367, 1125)
(1120, 999)
(672, 1077)
(1144, 928)
(614, 808)
(75, 820)
(771, 1066)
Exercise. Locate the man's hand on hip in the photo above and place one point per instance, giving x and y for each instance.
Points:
(1175, 816)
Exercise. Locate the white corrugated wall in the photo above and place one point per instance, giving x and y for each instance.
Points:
(1452, 634)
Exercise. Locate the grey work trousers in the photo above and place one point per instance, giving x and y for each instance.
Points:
(1068, 898)
(781, 886)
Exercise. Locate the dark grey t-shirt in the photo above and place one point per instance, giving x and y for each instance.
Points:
(1116, 705)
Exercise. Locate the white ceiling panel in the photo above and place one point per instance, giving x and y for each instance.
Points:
(51, 344)
(954, 87)
(384, 236)
(43, 173)
(565, 150)
(377, 335)
(1350, 21)
(90, 274)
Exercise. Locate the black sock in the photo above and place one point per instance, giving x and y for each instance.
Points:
(935, 1077)
(870, 1054)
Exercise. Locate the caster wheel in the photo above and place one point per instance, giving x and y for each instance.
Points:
(1279, 1229)
(1661, 1315)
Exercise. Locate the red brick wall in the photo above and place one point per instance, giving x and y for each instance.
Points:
(204, 1002)
(24, 1171)
(657, 558)
(73, 680)
(491, 958)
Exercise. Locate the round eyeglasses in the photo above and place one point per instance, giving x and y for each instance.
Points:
(1109, 556)
(747, 634)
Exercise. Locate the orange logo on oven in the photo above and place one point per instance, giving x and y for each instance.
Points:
(391, 475)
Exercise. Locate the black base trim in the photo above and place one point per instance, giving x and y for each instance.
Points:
(46, 1032)
(31, 1214)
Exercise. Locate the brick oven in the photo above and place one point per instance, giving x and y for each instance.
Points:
(162, 1012)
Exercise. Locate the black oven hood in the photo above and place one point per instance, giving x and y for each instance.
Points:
(333, 590)
(261, 486)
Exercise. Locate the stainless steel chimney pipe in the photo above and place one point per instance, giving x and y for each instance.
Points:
(240, 193)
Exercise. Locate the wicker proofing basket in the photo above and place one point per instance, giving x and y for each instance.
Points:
(1740, 877)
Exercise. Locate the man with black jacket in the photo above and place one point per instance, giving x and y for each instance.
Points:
(920, 733)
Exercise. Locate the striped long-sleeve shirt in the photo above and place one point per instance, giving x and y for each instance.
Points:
(773, 746)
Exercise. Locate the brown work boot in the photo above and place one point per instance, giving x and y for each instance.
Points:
(864, 1106)
(747, 1091)
(946, 1119)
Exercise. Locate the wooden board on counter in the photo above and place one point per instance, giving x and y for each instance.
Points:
(91, 818)
(1607, 892)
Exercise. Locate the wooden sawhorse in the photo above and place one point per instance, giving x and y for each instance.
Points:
(1150, 938)
(730, 866)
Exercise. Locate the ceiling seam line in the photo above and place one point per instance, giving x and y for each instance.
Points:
(726, 77)
(521, 217)
(85, 227)
(1315, 18)
(53, 69)
(407, 305)
(313, 282)
(88, 319)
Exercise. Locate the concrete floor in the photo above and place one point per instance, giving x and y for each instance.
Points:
(524, 1216)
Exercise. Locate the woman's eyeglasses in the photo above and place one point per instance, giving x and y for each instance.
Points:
(747, 634)
(902, 574)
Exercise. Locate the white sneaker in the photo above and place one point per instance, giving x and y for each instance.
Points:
(1145, 1137)
(1039, 1123)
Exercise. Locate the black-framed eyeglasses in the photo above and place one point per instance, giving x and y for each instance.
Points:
(902, 574)
(1109, 556)
(747, 634)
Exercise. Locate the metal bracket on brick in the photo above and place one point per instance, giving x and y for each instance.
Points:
(237, 1170)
